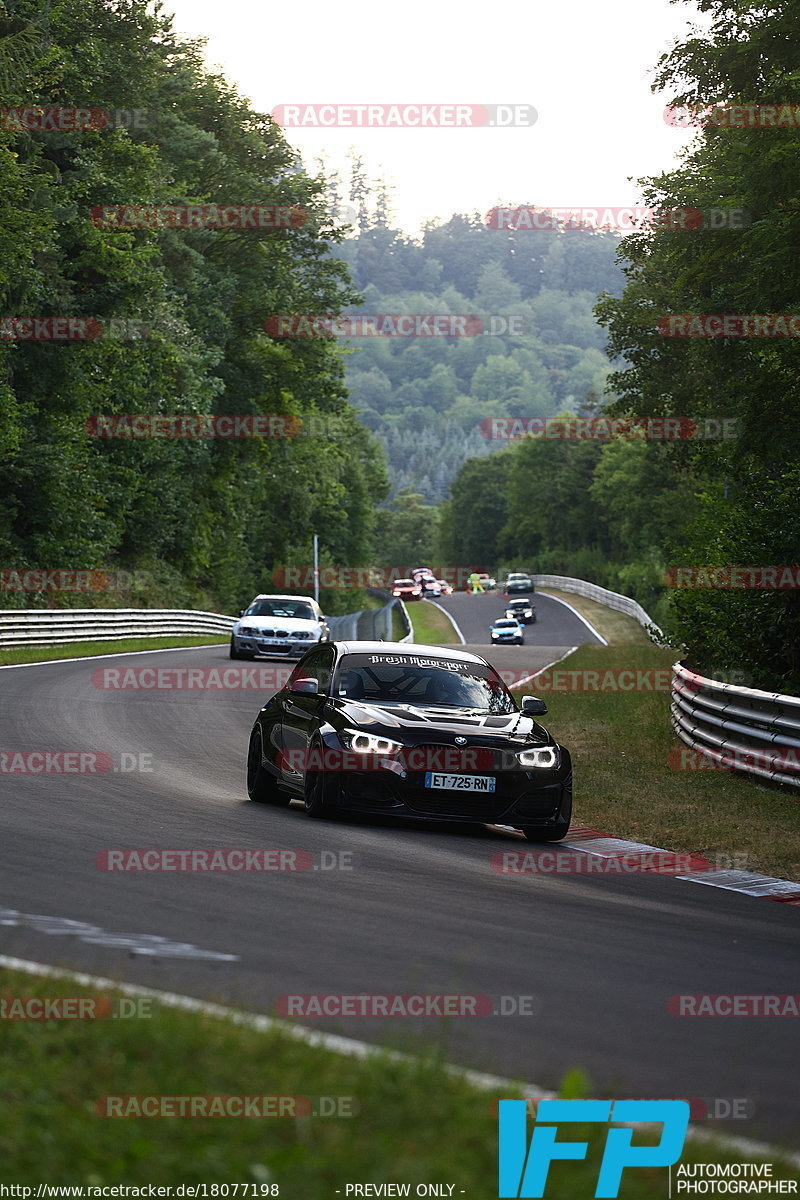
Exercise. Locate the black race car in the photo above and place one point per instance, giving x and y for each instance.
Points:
(409, 730)
(522, 610)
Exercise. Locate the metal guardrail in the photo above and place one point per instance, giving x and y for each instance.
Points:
(371, 624)
(52, 627)
(741, 728)
(57, 626)
(581, 587)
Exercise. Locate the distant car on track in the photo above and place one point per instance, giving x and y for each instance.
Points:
(409, 730)
(523, 611)
(407, 589)
(519, 585)
(445, 588)
(278, 625)
(507, 629)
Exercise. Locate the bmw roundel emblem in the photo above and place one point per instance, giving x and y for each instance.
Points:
(461, 741)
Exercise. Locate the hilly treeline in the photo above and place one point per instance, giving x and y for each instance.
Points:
(538, 349)
(621, 514)
(182, 310)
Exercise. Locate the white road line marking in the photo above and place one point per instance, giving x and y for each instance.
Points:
(49, 662)
(451, 618)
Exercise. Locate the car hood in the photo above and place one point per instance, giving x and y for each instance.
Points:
(422, 724)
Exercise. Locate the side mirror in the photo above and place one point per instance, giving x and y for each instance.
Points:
(305, 686)
(241, 612)
(532, 706)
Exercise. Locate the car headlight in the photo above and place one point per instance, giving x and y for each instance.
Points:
(369, 743)
(542, 756)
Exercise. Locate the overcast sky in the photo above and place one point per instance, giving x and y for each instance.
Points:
(585, 67)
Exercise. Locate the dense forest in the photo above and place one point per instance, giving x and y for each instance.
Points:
(566, 321)
(176, 317)
(538, 347)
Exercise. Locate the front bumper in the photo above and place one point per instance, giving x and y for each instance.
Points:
(283, 647)
(521, 797)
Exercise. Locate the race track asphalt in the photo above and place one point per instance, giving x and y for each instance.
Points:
(416, 908)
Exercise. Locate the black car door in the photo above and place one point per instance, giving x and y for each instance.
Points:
(302, 713)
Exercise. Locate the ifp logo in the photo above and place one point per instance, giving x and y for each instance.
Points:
(523, 1171)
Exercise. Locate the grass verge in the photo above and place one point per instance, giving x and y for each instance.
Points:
(429, 624)
(628, 781)
(411, 1121)
(28, 654)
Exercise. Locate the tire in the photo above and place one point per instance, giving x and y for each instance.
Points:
(320, 791)
(535, 833)
(234, 653)
(261, 786)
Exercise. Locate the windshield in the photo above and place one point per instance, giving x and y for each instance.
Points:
(412, 679)
(281, 608)
(505, 624)
(404, 583)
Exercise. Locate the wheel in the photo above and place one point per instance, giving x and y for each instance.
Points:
(320, 789)
(261, 786)
(533, 619)
(234, 653)
(535, 833)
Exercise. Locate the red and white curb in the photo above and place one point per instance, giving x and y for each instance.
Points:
(593, 841)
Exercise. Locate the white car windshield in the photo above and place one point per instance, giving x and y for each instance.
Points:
(295, 609)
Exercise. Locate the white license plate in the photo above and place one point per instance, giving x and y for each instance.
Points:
(460, 783)
(274, 641)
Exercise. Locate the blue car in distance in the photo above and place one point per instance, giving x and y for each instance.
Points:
(507, 630)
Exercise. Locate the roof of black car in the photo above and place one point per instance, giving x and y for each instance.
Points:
(415, 648)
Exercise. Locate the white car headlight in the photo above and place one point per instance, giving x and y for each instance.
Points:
(369, 743)
(542, 756)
